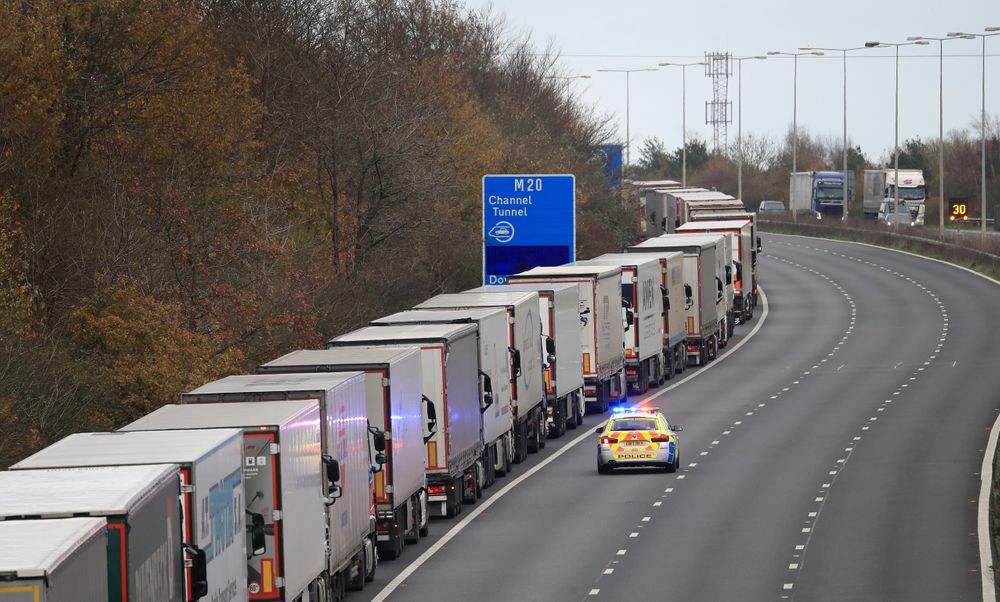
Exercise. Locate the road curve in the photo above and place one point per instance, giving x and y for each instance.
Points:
(834, 457)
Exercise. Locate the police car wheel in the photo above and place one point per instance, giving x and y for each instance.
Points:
(603, 469)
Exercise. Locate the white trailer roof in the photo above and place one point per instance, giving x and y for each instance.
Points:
(674, 242)
(269, 383)
(475, 299)
(404, 333)
(107, 449)
(647, 256)
(414, 316)
(92, 491)
(621, 259)
(351, 356)
(704, 195)
(722, 224)
(36, 548)
(652, 183)
(537, 287)
(239, 414)
(571, 270)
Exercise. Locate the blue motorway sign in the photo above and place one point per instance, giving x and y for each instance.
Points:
(528, 221)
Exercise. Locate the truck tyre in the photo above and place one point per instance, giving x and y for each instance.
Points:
(371, 560)
(642, 378)
(470, 481)
(520, 441)
(581, 410)
(543, 428)
(357, 582)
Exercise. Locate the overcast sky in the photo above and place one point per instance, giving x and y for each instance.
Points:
(628, 34)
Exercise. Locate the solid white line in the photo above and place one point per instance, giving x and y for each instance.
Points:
(986, 470)
(481, 507)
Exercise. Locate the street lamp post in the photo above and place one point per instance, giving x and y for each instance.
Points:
(844, 52)
(895, 186)
(684, 144)
(982, 124)
(739, 116)
(940, 42)
(628, 73)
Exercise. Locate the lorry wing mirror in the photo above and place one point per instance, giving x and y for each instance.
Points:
(515, 361)
(599, 430)
(431, 418)
(719, 289)
(379, 441)
(629, 318)
(550, 345)
(758, 244)
(687, 291)
(332, 468)
(487, 400)
(729, 274)
(258, 537)
(739, 270)
(199, 571)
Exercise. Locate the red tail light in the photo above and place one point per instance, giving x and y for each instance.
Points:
(381, 527)
(609, 440)
(435, 490)
(660, 438)
(692, 348)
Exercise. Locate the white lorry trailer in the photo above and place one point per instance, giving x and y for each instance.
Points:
(559, 308)
(282, 462)
(524, 331)
(141, 518)
(54, 560)
(727, 243)
(210, 469)
(602, 338)
(642, 318)
(395, 406)
(880, 186)
(707, 306)
(449, 358)
(498, 418)
(347, 439)
(660, 209)
(744, 259)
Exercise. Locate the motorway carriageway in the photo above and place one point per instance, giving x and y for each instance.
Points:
(834, 456)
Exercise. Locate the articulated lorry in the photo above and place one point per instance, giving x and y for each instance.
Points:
(692, 204)
(642, 318)
(524, 331)
(210, 472)
(744, 259)
(140, 533)
(880, 185)
(706, 307)
(284, 473)
(661, 209)
(494, 361)
(451, 381)
(559, 309)
(602, 340)
(54, 560)
(819, 193)
(395, 406)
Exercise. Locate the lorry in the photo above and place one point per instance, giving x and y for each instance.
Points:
(54, 560)
(819, 193)
(524, 344)
(559, 309)
(690, 202)
(660, 209)
(744, 259)
(139, 532)
(642, 318)
(210, 472)
(450, 376)
(706, 307)
(602, 334)
(498, 419)
(880, 186)
(395, 406)
(286, 497)
(694, 208)
(346, 438)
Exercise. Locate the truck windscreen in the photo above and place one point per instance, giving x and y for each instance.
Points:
(909, 194)
(830, 193)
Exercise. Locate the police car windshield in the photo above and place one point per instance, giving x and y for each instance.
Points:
(634, 424)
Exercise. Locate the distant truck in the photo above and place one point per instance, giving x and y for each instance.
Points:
(140, 533)
(209, 467)
(559, 308)
(661, 207)
(819, 193)
(449, 358)
(880, 186)
(601, 339)
(395, 406)
(744, 258)
(282, 462)
(54, 560)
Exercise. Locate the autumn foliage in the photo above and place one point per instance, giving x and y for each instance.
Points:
(188, 188)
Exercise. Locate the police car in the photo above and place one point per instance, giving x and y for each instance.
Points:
(638, 437)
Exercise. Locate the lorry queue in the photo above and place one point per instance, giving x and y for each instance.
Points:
(291, 484)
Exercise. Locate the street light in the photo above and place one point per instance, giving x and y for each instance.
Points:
(895, 186)
(940, 42)
(684, 142)
(844, 52)
(568, 77)
(739, 114)
(795, 102)
(627, 73)
(982, 125)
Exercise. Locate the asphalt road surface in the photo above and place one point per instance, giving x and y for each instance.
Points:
(834, 456)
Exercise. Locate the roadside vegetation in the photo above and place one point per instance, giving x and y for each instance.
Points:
(188, 188)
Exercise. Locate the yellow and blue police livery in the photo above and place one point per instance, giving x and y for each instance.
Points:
(635, 437)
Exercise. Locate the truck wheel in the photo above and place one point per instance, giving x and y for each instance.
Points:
(426, 529)
(571, 411)
(371, 560)
(581, 410)
(543, 429)
(357, 581)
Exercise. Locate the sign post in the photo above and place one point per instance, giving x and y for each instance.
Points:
(528, 221)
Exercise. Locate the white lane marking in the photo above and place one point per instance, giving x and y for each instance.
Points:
(800, 547)
(608, 571)
(668, 489)
(793, 566)
(633, 534)
(646, 519)
(657, 503)
(788, 586)
(621, 552)
(595, 591)
(480, 508)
